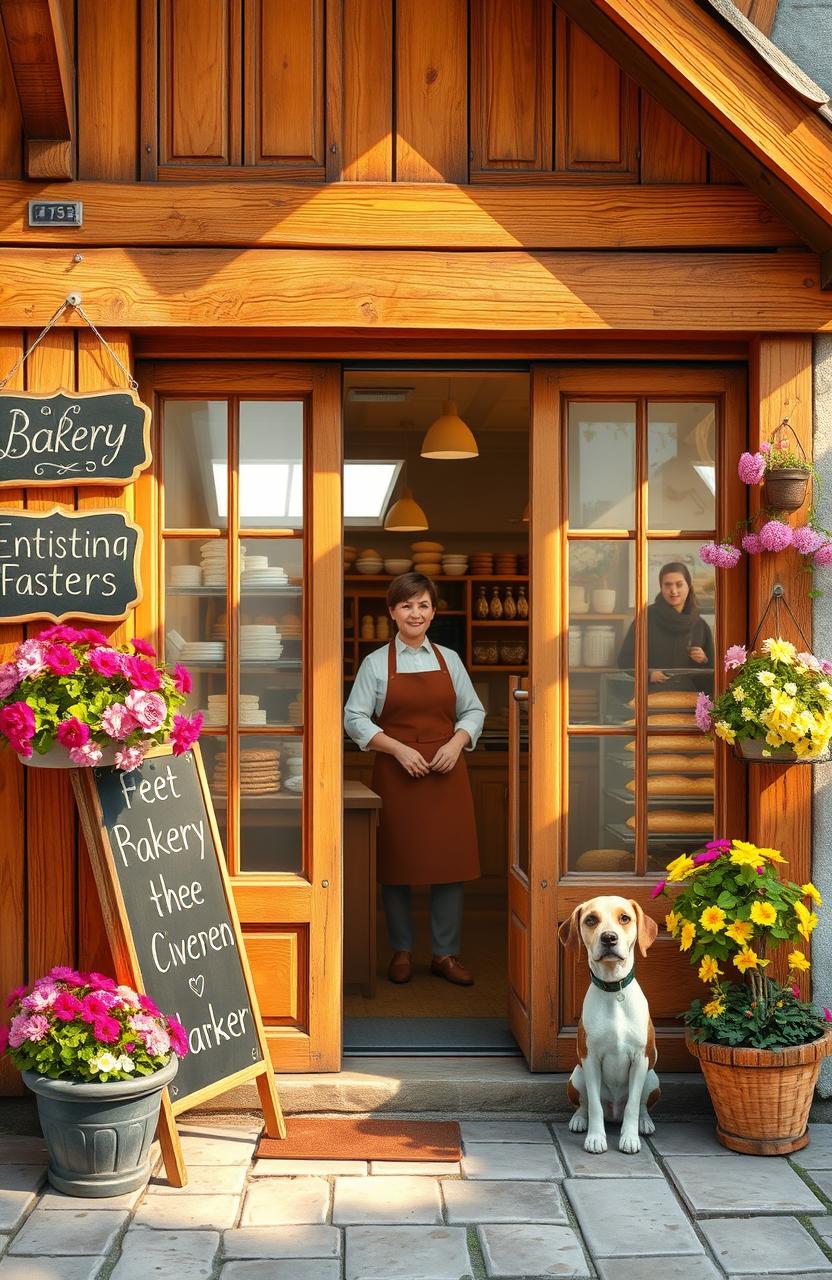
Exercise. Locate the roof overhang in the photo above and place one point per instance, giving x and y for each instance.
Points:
(43, 72)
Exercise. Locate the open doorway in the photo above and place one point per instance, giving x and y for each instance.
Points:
(475, 546)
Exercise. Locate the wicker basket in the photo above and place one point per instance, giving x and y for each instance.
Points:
(762, 1097)
(785, 488)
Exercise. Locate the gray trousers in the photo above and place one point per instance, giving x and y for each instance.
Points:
(445, 917)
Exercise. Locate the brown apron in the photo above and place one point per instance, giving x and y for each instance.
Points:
(427, 833)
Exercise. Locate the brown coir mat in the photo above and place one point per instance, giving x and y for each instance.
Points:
(344, 1138)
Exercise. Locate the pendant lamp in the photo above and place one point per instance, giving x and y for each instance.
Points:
(405, 516)
(449, 437)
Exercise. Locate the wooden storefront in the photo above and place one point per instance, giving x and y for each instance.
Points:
(274, 191)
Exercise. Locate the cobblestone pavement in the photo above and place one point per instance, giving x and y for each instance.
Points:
(525, 1201)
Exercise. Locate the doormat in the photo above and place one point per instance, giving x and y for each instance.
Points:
(344, 1138)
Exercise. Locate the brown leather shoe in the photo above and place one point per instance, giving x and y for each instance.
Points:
(401, 967)
(452, 970)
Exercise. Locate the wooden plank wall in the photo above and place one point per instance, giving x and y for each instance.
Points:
(355, 90)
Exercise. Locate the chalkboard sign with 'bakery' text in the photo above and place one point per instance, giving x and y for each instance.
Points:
(162, 847)
(63, 438)
(67, 564)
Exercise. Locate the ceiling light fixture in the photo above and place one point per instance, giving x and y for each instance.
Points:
(449, 437)
(406, 516)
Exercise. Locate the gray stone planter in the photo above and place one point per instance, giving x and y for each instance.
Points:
(99, 1135)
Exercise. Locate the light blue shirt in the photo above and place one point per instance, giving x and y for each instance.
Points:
(369, 690)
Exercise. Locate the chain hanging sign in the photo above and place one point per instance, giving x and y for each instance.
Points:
(101, 438)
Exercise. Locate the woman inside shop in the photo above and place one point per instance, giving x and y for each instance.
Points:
(413, 704)
(680, 646)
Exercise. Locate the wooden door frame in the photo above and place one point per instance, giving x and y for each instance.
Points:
(316, 1045)
(551, 897)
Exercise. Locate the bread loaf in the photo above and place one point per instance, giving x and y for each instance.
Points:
(672, 742)
(672, 720)
(678, 822)
(604, 860)
(674, 784)
(670, 763)
(669, 698)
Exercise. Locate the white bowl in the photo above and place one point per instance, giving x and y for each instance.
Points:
(454, 570)
(365, 566)
(397, 566)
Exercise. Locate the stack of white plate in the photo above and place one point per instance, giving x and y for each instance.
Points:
(256, 562)
(267, 575)
(369, 561)
(215, 562)
(260, 643)
(292, 766)
(175, 643)
(454, 566)
(250, 710)
(290, 626)
(203, 651)
(185, 575)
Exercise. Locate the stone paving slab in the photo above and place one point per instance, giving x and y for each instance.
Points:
(475, 1202)
(85, 1232)
(636, 1217)
(321, 1168)
(4, 1240)
(416, 1168)
(823, 1180)
(19, 1184)
(524, 1162)
(505, 1131)
(823, 1226)
(532, 1251)
(52, 1268)
(217, 1146)
(687, 1140)
(225, 1179)
(741, 1184)
(773, 1246)
(684, 1268)
(277, 1202)
(387, 1201)
(406, 1253)
(60, 1203)
(146, 1253)
(818, 1154)
(282, 1242)
(188, 1213)
(611, 1163)
(314, 1269)
(29, 1150)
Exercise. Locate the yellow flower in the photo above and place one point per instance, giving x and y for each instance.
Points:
(748, 959)
(680, 868)
(798, 961)
(740, 931)
(790, 688)
(811, 892)
(671, 921)
(766, 678)
(712, 919)
(738, 694)
(772, 855)
(748, 713)
(824, 687)
(763, 913)
(714, 1008)
(744, 854)
(802, 911)
(806, 926)
(780, 650)
(708, 969)
(688, 935)
(723, 730)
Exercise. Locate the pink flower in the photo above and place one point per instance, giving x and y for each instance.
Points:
(9, 678)
(827, 1015)
(91, 635)
(751, 468)
(141, 646)
(723, 555)
(40, 999)
(708, 855)
(62, 633)
(17, 722)
(141, 674)
(72, 732)
(66, 1007)
(17, 1032)
(106, 1029)
(62, 973)
(182, 679)
(721, 846)
(157, 1042)
(129, 1047)
(61, 660)
(178, 1037)
(31, 658)
(105, 662)
(142, 1022)
(806, 541)
(118, 722)
(185, 732)
(657, 889)
(796, 992)
(92, 1007)
(775, 536)
(809, 660)
(702, 712)
(826, 667)
(823, 555)
(735, 656)
(751, 544)
(35, 1027)
(4, 1038)
(87, 755)
(765, 448)
(148, 1005)
(129, 758)
(99, 980)
(149, 709)
(17, 994)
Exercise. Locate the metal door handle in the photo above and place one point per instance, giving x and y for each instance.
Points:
(520, 695)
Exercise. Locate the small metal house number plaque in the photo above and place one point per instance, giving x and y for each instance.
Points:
(52, 213)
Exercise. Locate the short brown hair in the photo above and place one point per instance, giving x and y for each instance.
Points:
(408, 585)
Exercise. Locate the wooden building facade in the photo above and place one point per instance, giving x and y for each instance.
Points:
(631, 200)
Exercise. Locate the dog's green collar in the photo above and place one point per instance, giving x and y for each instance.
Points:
(614, 986)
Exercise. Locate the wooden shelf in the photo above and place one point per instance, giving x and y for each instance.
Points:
(496, 622)
(481, 666)
(603, 617)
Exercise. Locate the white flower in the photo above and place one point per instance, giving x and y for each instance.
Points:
(128, 995)
(790, 687)
(738, 694)
(104, 1063)
(125, 1063)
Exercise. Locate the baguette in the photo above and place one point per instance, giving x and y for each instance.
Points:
(672, 742)
(667, 720)
(669, 698)
(671, 763)
(674, 784)
(604, 860)
(678, 822)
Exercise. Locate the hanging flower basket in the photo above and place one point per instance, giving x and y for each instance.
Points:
(785, 488)
(757, 751)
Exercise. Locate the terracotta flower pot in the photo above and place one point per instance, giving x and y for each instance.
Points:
(785, 488)
(762, 1097)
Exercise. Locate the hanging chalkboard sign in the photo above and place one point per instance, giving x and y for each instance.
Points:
(64, 438)
(68, 564)
(170, 914)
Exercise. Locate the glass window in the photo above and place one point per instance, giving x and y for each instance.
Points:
(196, 464)
(601, 832)
(681, 621)
(601, 594)
(196, 620)
(271, 631)
(271, 786)
(681, 448)
(271, 464)
(602, 465)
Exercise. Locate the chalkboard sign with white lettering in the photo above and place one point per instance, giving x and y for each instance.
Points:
(64, 438)
(182, 923)
(67, 564)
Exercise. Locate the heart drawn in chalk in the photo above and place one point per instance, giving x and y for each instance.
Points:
(174, 1090)
(197, 985)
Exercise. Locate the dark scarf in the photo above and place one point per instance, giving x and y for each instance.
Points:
(668, 619)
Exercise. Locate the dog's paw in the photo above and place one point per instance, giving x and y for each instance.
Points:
(596, 1143)
(629, 1143)
(645, 1124)
(578, 1123)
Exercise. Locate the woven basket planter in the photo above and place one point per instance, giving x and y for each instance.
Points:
(762, 1097)
(785, 488)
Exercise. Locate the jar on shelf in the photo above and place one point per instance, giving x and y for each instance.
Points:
(485, 653)
(382, 627)
(598, 646)
(509, 607)
(495, 608)
(522, 604)
(576, 641)
(368, 627)
(481, 604)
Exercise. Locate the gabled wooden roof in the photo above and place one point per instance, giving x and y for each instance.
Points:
(727, 83)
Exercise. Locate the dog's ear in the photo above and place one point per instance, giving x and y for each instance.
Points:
(647, 928)
(570, 931)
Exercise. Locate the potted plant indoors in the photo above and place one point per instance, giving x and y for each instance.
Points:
(97, 1057)
(69, 698)
(759, 1044)
(776, 707)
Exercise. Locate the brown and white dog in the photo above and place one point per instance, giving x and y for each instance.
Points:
(614, 1079)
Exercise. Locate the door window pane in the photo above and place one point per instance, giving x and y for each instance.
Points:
(213, 747)
(196, 620)
(601, 596)
(599, 837)
(680, 641)
(271, 785)
(680, 797)
(271, 629)
(681, 449)
(196, 464)
(602, 465)
(271, 464)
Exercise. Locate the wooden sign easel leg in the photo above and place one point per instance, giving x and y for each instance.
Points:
(275, 1126)
(168, 1136)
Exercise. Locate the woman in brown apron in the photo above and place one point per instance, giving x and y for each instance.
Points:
(413, 704)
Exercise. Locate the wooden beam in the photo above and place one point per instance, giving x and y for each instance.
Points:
(402, 216)
(43, 73)
(777, 144)
(364, 291)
